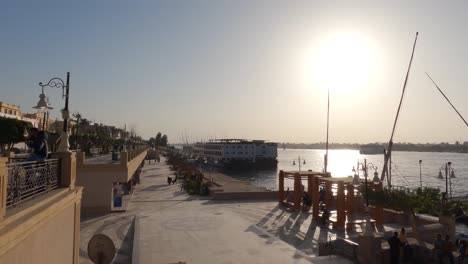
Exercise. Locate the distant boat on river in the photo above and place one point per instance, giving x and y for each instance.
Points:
(371, 149)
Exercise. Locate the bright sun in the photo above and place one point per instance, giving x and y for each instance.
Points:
(343, 62)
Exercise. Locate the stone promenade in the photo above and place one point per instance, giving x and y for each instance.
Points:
(164, 225)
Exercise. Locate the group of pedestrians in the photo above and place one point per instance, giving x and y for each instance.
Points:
(463, 250)
(397, 242)
(443, 249)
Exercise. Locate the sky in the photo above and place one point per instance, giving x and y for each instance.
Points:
(244, 69)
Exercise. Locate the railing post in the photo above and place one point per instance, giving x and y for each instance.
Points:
(379, 212)
(328, 194)
(124, 158)
(297, 192)
(11, 154)
(315, 197)
(350, 203)
(80, 158)
(67, 168)
(281, 187)
(340, 205)
(3, 186)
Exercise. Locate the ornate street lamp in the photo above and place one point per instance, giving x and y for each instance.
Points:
(299, 162)
(364, 167)
(43, 105)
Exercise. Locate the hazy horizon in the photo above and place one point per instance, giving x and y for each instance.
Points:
(331, 143)
(244, 69)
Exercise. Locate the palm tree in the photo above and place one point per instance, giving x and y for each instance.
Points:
(78, 117)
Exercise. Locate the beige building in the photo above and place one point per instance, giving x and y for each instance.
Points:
(10, 110)
(43, 227)
(39, 117)
(13, 111)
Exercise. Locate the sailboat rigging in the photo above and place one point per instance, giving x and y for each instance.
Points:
(386, 171)
(446, 98)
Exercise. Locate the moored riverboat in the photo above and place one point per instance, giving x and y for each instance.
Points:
(235, 154)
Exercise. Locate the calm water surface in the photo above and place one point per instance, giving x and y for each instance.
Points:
(405, 169)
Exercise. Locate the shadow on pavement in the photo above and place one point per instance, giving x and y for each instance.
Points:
(211, 201)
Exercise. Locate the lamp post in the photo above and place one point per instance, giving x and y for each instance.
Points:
(449, 178)
(299, 162)
(43, 105)
(420, 174)
(364, 167)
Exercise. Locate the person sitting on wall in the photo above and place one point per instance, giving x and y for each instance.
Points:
(37, 141)
(405, 245)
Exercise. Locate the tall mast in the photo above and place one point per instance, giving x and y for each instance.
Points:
(328, 121)
(388, 153)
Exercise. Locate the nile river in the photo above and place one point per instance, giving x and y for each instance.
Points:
(405, 167)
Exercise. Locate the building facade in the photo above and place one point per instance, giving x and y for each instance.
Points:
(10, 110)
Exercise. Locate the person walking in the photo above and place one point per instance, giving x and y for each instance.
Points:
(394, 243)
(438, 247)
(447, 249)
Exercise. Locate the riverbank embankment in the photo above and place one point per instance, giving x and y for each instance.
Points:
(224, 187)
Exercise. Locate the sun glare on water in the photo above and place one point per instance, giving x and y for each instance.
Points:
(343, 62)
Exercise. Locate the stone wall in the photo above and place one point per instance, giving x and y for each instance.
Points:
(46, 228)
(43, 231)
(98, 179)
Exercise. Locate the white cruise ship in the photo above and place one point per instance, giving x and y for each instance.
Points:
(238, 153)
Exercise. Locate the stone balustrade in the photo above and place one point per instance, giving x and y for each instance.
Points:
(98, 178)
(52, 216)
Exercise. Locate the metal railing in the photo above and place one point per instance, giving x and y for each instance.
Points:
(30, 179)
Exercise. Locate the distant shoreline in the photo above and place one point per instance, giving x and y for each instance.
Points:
(442, 147)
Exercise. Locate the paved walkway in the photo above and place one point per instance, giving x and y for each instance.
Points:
(173, 227)
(165, 225)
